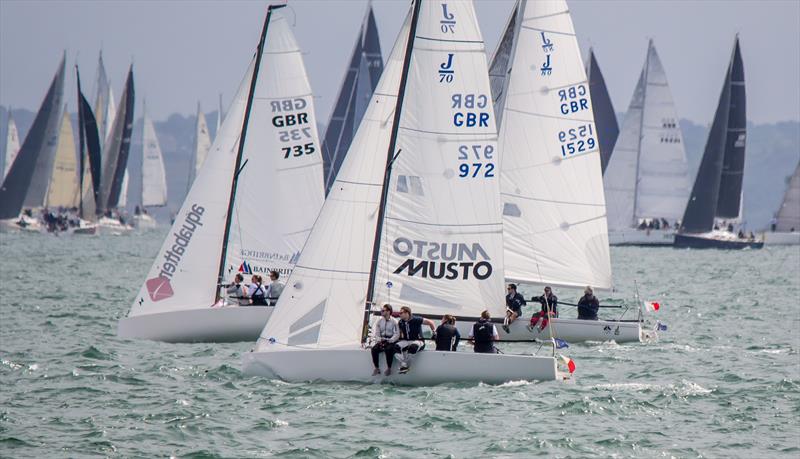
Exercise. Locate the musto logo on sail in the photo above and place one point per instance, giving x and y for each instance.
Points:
(159, 288)
(442, 260)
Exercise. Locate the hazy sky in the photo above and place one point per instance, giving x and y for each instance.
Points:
(185, 51)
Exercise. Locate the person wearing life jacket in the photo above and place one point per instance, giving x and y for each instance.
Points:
(588, 305)
(257, 292)
(514, 304)
(549, 309)
(385, 334)
(236, 292)
(484, 334)
(411, 339)
(447, 335)
(274, 289)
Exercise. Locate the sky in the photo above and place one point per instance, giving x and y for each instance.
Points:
(188, 50)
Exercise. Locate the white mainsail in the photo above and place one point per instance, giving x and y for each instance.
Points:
(202, 145)
(277, 196)
(12, 144)
(788, 218)
(63, 188)
(554, 215)
(104, 105)
(154, 179)
(648, 175)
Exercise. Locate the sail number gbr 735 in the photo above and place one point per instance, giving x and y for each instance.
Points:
(289, 115)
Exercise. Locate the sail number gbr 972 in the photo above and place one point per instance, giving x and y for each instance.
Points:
(471, 110)
(290, 117)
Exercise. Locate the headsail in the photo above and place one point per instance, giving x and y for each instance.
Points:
(554, 218)
(63, 188)
(104, 105)
(648, 175)
(12, 144)
(90, 155)
(154, 180)
(730, 187)
(605, 119)
(116, 149)
(788, 218)
(202, 145)
(37, 150)
(363, 73)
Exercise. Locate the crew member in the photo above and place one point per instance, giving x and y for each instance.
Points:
(484, 334)
(411, 339)
(514, 304)
(447, 335)
(385, 334)
(588, 305)
(549, 309)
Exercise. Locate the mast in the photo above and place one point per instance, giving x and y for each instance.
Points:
(240, 152)
(641, 134)
(390, 156)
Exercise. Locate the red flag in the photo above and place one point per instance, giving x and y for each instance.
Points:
(570, 363)
(653, 305)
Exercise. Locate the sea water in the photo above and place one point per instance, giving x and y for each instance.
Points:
(722, 381)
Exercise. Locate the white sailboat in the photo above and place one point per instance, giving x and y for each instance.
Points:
(63, 189)
(154, 178)
(12, 144)
(647, 178)
(786, 227)
(250, 208)
(413, 219)
(202, 145)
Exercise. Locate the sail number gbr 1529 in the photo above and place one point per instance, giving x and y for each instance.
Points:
(476, 161)
(296, 130)
(577, 140)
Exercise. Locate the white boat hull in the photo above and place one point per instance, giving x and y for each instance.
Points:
(113, 226)
(782, 238)
(427, 367)
(570, 330)
(144, 222)
(636, 237)
(22, 223)
(207, 325)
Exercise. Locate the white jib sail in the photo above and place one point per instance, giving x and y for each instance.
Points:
(202, 145)
(12, 144)
(442, 242)
(184, 273)
(154, 180)
(330, 279)
(648, 175)
(280, 189)
(63, 188)
(554, 213)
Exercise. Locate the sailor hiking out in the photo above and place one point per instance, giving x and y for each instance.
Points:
(411, 339)
(549, 309)
(385, 334)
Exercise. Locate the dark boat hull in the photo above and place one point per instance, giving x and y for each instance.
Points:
(698, 241)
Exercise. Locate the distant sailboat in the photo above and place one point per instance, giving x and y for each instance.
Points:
(718, 187)
(605, 119)
(363, 73)
(23, 183)
(201, 147)
(250, 209)
(12, 144)
(63, 189)
(403, 183)
(89, 154)
(786, 227)
(647, 178)
(154, 179)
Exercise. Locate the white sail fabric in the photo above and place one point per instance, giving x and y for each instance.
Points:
(12, 144)
(551, 182)
(63, 188)
(280, 189)
(648, 175)
(202, 145)
(442, 242)
(330, 279)
(788, 218)
(123, 191)
(184, 273)
(154, 180)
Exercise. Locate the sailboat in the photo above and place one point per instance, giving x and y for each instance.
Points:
(12, 144)
(551, 184)
(647, 179)
(418, 224)
(716, 196)
(366, 66)
(201, 147)
(250, 209)
(785, 229)
(116, 149)
(89, 164)
(605, 119)
(24, 185)
(154, 178)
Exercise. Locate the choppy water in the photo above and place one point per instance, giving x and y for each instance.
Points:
(724, 381)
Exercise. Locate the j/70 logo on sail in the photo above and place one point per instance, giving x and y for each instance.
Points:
(159, 288)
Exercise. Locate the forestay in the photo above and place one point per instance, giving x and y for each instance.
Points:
(648, 175)
(63, 189)
(551, 182)
(154, 181)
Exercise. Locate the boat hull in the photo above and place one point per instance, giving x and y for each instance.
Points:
(23, 223)
(112, 226)
(702, 241)
(206, 325)
(782, 238)
(144, 222)
(427, 367)
(634, 237)
(570, 330)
